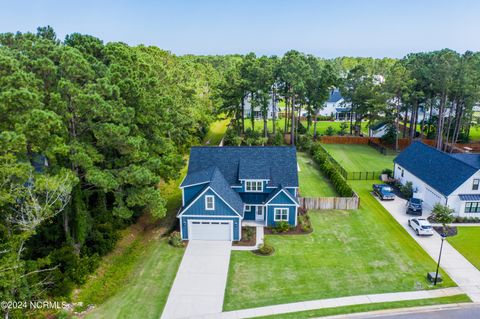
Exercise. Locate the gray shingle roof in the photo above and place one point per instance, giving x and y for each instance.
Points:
(335, 96)
(276, 163)
(443, 172)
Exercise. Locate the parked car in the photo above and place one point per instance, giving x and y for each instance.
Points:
(421, 226)
(383, 191)
(414, 206)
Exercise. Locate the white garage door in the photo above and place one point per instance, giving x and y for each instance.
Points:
(431, 197)
(210, 230)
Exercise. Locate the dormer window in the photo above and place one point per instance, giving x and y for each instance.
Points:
(254, 186)
(209, 202)
(476, 182)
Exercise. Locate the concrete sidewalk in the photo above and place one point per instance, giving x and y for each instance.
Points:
(199, 286)
(334, 302)
(453, 263)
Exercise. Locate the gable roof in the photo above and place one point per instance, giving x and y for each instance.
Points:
(443, 172)
(278, 164)
(468, 158)
(335, 96)
(280, 189)
(377, 126)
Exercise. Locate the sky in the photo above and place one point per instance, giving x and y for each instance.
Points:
(272, 27)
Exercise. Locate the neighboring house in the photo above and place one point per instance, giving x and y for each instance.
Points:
(226, 186)
(336, 106)
(257, 112)
(438, 177)
(378, 130)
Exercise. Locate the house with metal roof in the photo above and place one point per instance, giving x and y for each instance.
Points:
(439, 177)
(226, 187)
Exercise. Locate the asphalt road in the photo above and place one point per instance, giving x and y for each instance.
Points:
(463, 312)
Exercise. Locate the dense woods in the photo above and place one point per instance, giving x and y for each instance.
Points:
(88, 130)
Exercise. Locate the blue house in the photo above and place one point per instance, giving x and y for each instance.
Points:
(227, 186)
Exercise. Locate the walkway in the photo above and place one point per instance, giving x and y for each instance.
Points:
(334, 302)
(199, 286)
(455, 265)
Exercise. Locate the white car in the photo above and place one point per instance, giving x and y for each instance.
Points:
(421, 226)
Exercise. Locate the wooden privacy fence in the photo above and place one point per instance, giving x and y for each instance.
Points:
(402, 142)
(343, 203)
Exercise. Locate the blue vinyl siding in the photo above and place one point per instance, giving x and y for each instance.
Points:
(291, 215)
(250, 215)
(198, 207)
(291, 191)
(190, 192)
(281, 198)
(253, 198)
(236, 225)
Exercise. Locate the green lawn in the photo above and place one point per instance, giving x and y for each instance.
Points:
(467, 242)
(259, 125)
(359, 158)
(462, 298)
(216, 131)
(312, 182)
(349, 253)
(475, 133)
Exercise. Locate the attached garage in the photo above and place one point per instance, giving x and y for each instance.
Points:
(210, 230)
(431, 197)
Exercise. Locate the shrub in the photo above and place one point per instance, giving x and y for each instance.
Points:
(277, 139)
(388, 171)
(282, 227)
(247, 233)
(325, 118)
(304, 221)
(407, 190)
(343, 129)
(175, 239)
(329, 131)
(305, 142)
(390, 135)
(265, 249)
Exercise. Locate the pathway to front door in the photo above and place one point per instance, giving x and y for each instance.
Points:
(199, 286)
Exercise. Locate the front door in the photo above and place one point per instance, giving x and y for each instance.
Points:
(260, 213)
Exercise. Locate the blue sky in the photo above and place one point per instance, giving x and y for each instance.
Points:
(323, 28)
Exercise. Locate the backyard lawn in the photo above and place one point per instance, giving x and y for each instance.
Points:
(216, 131)
(467, 242)
(349, 253)
(312, 182)
(359, 158)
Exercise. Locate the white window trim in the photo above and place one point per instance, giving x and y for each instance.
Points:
(206, 202)
(275, 215)
(256, 183)
(248, 208)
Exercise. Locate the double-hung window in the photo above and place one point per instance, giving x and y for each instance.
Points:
(254, 186)
(281, 214)
(248, 208)
(209, 202)
(472, 207)
(476, 182)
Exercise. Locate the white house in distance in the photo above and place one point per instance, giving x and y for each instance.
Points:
(438, 177)
(336, 106)
(257, 113)
(378, 130)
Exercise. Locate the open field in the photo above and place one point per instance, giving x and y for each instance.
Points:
(216, 131)
(312, 181)
(349, 253)
(359, 158)
(467, 242)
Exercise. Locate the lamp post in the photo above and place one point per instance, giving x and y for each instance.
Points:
(439, 257)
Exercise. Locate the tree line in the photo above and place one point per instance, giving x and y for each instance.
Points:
(427, 94)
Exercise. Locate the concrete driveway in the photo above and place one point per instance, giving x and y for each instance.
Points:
(199, 286)
(458, 267)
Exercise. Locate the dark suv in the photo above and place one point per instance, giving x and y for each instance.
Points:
(414, 206)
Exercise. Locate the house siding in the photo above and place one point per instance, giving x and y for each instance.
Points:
(198, 207)
(235, 220)
(281, 198)
(292, 216)
(190, 192)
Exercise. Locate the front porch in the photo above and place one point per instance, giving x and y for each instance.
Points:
(253, 223)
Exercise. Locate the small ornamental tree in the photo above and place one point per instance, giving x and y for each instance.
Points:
(329, 131)
(443, 215)
(343, 129)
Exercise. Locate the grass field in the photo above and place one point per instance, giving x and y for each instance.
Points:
(475, 133)
(359, 158)
(312, 182)
(349, 253)
(216, 131)
(462, 298)
(259, 125)
(467, 242)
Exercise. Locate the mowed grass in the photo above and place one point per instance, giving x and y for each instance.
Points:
(467, 242)
(216, 131)
(349, 253)
(359, 158)
(475, 133)
(461, 298)
(312, 182)
(258, 125)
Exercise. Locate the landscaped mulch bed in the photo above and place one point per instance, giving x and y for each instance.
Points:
(300, 229)
(451, 230)
(246, 239)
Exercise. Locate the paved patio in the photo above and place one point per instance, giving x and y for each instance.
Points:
(199, 286)
(455, 265)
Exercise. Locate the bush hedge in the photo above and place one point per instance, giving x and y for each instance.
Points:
(320, 156)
